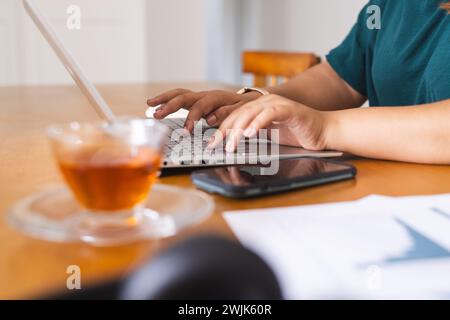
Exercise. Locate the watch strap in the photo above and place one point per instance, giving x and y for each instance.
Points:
(245, 90)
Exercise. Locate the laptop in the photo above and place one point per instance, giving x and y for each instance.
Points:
(182, 150)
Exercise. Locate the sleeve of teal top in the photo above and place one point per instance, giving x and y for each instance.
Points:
(349, 59)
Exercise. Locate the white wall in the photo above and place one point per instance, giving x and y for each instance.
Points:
(304, 25)
(176, 37)
(110, 47)
(286, 25)
(166, 40)
(119, 41)
(224, 25)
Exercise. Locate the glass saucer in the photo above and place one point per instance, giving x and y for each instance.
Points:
(54, 215)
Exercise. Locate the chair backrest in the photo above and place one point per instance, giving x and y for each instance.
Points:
(267, 65)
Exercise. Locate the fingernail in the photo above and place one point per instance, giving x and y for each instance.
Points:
(230, 146)
(212, 120)
(249, 132)
(211, 143)
(157, 113)
(187, 129)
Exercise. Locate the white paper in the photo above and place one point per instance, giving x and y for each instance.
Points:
(376, 247)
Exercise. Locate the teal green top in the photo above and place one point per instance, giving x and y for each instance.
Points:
(406, 61)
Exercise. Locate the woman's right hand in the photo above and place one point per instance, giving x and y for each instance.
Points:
(214, 106)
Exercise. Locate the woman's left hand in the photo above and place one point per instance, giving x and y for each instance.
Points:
(298, 124)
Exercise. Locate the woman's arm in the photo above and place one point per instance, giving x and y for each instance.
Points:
(320, 88)
(414, 134)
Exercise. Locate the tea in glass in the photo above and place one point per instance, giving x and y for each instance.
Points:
(109, 167)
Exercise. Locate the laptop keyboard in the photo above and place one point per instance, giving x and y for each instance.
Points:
(193, 148)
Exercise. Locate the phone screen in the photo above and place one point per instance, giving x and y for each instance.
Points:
(295, 169)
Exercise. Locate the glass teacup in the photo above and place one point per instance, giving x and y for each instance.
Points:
(110, 167)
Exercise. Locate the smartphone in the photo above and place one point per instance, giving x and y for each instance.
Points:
(257, 180)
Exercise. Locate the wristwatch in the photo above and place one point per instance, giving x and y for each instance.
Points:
(245, 90)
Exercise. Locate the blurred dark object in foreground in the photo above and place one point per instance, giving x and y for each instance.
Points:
(205, 267)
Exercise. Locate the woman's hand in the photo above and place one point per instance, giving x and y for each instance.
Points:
(214, 106)
(298, 124)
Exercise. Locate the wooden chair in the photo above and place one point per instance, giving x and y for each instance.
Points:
(266, 65)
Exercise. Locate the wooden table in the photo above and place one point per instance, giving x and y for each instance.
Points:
(30, 267)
